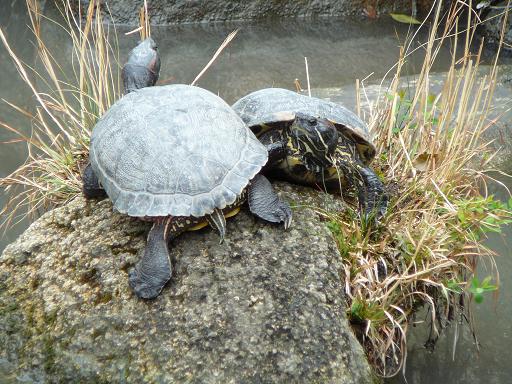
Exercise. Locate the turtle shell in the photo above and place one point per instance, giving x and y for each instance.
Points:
(173, 150)
(269, 108)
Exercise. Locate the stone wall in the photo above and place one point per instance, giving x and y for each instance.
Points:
(165, 12)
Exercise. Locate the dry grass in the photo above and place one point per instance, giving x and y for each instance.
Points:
(66, 111)
(433, 153)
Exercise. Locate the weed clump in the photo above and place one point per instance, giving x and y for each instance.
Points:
(426, 250)
(66, 111)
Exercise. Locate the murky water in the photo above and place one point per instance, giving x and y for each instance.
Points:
(459, 361)
(272, 54)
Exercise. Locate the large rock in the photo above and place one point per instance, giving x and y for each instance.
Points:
(265, 306)
(165, 12)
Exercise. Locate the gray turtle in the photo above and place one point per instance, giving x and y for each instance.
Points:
(271, 112)
(179, 156)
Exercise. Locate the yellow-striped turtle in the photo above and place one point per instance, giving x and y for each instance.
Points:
(179, 156)
(271, 112)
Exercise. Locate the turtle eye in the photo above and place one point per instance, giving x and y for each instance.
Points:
(311, 121)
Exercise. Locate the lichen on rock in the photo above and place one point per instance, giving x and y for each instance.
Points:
(265, 306)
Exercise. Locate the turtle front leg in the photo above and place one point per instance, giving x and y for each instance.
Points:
(373, 199)
(91, 185)
(276, 147)
(154, 270)
(264, 203)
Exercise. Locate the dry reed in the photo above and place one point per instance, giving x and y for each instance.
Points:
(433, 153)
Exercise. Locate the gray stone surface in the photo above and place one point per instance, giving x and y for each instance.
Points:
(165, 12)
(265, 306)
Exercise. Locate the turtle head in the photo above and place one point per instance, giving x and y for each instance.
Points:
(143, 66)
(314, 139)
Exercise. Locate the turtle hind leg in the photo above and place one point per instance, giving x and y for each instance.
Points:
(264, 203)
(91, 185)
(154, 270)
(218, 221)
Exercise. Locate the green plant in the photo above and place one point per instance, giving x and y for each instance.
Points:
(478, 288)
(363, 311)
(480, 215)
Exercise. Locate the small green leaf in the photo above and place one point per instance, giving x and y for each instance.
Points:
(479, 298)
(334, 227)
(401, 18)
(454, 286)
(486, 284)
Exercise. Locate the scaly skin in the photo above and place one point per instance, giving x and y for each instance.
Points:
(142, 68)
(345, 172)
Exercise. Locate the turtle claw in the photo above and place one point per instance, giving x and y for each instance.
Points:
(285, 215)
(218, 221)
(287, 223)
(142, 288)
(373, 216)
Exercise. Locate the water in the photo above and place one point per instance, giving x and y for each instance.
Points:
(267, 54)
(494, 331)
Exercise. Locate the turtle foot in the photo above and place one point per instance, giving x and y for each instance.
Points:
(373, 198)
(143, 287)
(91, 186)
(264, 203)
(375, 210)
